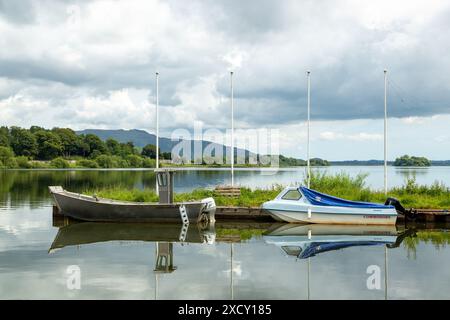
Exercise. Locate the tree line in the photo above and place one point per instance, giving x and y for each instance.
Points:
(63, 148)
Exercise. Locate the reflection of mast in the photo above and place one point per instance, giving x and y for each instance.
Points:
(309, 265)
(385, 274)
(309, 269)
(231, 271)
(164, 257)
(163, 261)
(156, 275)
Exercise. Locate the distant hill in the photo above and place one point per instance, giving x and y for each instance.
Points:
(380, 163)
(440, 162)
(141, 138)
(359, 163)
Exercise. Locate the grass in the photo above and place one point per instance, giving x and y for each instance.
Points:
(435, 196)
(248, 198)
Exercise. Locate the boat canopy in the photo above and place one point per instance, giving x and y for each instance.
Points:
(318, 247)
(321, 199)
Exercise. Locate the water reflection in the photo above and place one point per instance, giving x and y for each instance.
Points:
(82, 233)
(305, 241)
(19, 187)
(29, 187)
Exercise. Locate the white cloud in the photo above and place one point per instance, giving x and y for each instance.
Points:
(361, 136)
(99, 71)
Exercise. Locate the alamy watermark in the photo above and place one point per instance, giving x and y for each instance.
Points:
(373, 282)
(213, 147)
(73, 280)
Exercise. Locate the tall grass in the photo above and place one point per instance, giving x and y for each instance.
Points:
(411, 194)
(340, 185)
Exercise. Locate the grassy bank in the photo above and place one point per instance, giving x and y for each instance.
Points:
(436, 196)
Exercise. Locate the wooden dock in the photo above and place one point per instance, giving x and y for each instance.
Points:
(255, 213)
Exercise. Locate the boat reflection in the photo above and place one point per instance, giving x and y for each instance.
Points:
(81, 233)
(305, 241)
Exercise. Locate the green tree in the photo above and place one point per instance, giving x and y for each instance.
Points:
(319, 162)
(105, 161)
(60, 163)
(134, 161)
(113, 147)
(69, 140)
(6, 154)
(86, 163)
(127, 149)
(4, 136)
(149, 151)
(23, 163)
(407, 161)
(49, 145)
(148, 163)
(34, 129)
(94, 143)
(23, 142)
(166, 155)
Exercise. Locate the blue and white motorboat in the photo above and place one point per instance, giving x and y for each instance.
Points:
(303, 205)
(305, 241)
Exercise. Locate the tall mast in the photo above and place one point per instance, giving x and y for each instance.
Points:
(385, 132)
(232, 130)
(157, 120)
(308, 74)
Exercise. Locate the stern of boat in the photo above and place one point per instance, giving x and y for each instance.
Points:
(209, 209)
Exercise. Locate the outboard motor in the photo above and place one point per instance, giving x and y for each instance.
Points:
(411, 213)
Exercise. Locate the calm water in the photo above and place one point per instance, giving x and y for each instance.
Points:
(267, 260)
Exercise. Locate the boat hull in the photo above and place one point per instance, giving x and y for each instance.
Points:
(86, 208)
(334, 216)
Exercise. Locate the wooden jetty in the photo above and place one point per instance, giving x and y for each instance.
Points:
(258, 214)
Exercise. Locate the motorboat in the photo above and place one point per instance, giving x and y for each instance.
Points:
(304, 205)
(305, 241)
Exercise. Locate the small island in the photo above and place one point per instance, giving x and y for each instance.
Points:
(407, 161)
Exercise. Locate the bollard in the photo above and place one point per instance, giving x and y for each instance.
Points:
(164, 178)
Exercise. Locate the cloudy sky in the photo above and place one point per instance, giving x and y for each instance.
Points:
(92, 64)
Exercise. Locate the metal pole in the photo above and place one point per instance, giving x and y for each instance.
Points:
(232, 130)
(385, 132)
(156, 275)
(157, 120)
(385, 273)
(308, 73)
(309, 270)
(231, 272)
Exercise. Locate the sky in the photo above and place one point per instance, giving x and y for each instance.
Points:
(91, 64)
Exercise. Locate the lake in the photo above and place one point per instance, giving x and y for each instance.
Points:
(45, 259)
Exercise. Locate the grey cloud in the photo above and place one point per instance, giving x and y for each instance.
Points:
(282, 41)
(20, 12)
